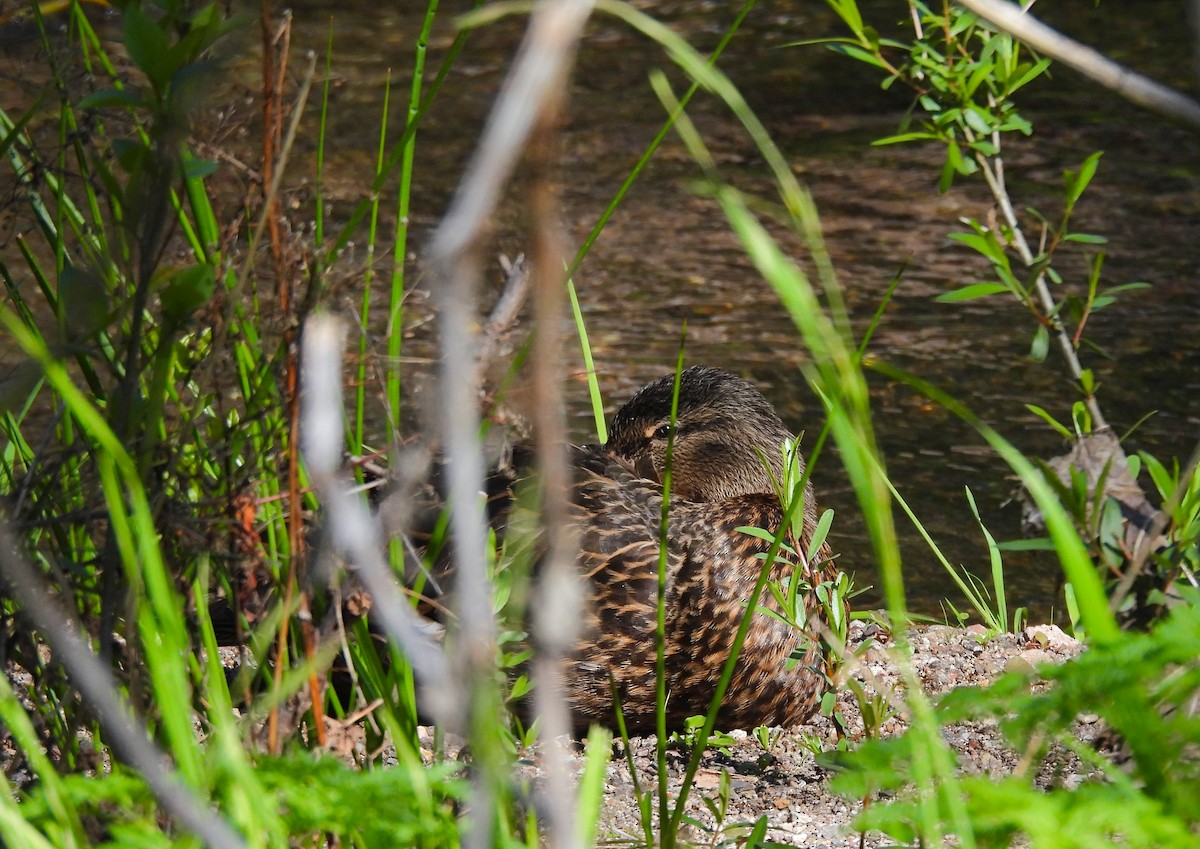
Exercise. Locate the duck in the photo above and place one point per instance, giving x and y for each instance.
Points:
(726, 459)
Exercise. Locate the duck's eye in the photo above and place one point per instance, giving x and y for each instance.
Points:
(662, 431)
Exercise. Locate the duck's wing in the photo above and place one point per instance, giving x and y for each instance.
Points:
(776, 680)
(712, 565)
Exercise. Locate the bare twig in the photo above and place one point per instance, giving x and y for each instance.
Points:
(354, 532)
(1131, 85)
(271, 190)
(100, 692)
(535, 81)
(557, 598)
(504, 313)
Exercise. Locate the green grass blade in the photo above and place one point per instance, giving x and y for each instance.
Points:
(660, 630)
(58, 800)
(589, 365)
(395, 326)
(598, 751)
(997, 564)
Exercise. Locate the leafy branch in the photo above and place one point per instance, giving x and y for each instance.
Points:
(964, 75)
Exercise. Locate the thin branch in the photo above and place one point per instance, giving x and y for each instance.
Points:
(535, 80)
(1129, 84)
(557, 595)
(992, 169)
(354, 532)
(98, 689)
(272, 190)
(504, 313)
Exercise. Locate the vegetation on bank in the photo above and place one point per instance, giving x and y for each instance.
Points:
(158, 500)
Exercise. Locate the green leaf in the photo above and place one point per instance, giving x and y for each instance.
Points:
(1077, 182)
(984, 242)
(1163, 480)
(1135, 465)
(903, 137)
(1085, 238)
(186, 291)
(977, 120)
(855, 52)
(1040, 346)
(758, 533)
(1126, 287)
(994, 619)
(108, 97)
(819, 534)
(1016, 122)
(83, 298)
(972, 292)
(148, 47)
(978, 76)
(131, 154)
(1050, 420)
(1081, 418)
(1037, 544)
(847, 10)
(198, 169)
(1028, 75)
(984, 147)
(757, 834)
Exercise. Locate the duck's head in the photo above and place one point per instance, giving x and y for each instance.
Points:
(723, 430)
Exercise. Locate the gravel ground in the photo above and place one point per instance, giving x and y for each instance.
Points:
(790, 788)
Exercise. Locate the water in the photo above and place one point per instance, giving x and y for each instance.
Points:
(668, 256)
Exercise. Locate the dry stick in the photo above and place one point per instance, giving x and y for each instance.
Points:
(537, 74)
(99, 691)
(1129, 84)
(557, 595)
(291, 392)
(276, 178)
(504, 313)
(353, 531)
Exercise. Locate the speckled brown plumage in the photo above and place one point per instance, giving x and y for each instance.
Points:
(724, 430)
(719, 484)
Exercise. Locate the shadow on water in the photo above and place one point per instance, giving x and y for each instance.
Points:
(667, 256)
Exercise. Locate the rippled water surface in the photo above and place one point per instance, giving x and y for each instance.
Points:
(668, 256)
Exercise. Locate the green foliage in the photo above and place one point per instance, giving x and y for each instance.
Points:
(1142, 685)
(689, 737)
(311, 795)
(964, 75)
(131, 338)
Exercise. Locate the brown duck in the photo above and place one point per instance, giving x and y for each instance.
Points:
(724, 429)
